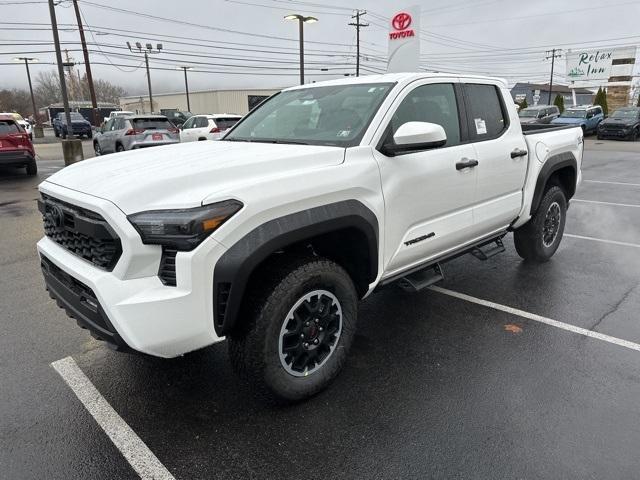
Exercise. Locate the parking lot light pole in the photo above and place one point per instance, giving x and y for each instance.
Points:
(186, 84)
(26, 61)
(146, 50)
(301, 20)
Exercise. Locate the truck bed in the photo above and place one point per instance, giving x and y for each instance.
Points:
(531, 128)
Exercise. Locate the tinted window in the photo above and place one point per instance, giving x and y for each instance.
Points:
(202, 122)
(224, 123)
(485, 111)
(151, 123)
(434, 103)
(7, 126)
(189, 123)
(118, 123)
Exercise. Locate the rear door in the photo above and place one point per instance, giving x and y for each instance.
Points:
(428, 200)
(501, 152)
(103, 138)
(202, 128)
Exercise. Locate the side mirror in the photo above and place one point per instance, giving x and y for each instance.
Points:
(414, 137)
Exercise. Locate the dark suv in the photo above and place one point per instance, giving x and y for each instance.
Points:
(539, 114)
(623, 123)
(79, 125)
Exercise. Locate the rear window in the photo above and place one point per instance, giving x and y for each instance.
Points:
(224, 123)
(151, 123)
(8, 126)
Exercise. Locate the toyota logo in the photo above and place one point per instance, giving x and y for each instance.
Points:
(56, 215)
(401, 21)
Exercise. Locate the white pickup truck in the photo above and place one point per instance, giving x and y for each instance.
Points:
(312, 201)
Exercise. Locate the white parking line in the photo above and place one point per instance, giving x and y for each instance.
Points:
(538, 318)
(633, 205)
(593, 239)
(613, 183)
(143, 461)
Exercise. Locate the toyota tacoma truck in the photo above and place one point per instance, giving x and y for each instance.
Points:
(323, 194)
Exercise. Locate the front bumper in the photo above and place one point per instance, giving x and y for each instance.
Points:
(139, 311)
(16, 157)
(614, 133)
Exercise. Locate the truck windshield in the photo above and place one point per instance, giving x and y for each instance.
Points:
(335, 115)
(574, 114)
(626, 113)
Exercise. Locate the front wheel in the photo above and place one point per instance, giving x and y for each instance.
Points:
(298, 331)
(539, 239)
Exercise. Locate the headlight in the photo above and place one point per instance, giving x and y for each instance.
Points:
(182, 229)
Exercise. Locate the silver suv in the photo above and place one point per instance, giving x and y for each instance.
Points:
(135, 131)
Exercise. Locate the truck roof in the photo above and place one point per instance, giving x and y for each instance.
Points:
(404, 78)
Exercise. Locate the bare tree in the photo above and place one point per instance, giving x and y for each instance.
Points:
(16, 100)
(48, 89)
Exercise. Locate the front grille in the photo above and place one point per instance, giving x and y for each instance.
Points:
(81, 231)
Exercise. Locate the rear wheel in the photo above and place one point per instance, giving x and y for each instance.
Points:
(298, 329)
(119, 148)
(32, 169)
(97, 149)
(539, 239)
(635, 135)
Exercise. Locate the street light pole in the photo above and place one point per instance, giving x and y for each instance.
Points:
(147, 50)
(186, 84)
(301, 20)
(26, 61)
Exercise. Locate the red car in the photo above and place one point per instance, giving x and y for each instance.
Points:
(15, 147)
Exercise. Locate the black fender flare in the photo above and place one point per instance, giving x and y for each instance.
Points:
(233, 270)
(552, 165)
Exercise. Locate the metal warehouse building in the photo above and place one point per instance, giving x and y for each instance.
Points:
(203, 101)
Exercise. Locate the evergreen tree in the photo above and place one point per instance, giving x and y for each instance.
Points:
(523, 104)
(598, 99)
(604, 104)
(638, 100)
(559, 102)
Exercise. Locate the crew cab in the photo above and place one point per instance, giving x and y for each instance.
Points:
(314, 200)
(16, 149)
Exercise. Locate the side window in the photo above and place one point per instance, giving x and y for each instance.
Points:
(118, 124)
(486, 114)
(202, 122)
(108, 125)
(188, 123)
(434, 103)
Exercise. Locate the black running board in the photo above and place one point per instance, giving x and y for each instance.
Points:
(482, 253)
(422, 278)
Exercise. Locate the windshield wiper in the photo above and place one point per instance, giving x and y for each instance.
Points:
(284, 142)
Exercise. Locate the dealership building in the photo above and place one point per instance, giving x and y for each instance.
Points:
(202, 101)
(528, 91)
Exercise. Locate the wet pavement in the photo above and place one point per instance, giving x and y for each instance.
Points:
(435, 387)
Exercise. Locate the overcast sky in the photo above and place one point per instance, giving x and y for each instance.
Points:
(247, 43)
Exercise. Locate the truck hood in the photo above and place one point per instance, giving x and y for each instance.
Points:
(183, 175)
(619, 122)
(568, 121)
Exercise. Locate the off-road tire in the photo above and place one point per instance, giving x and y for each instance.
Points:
(32, 169)
(254, 346)
(529, 239)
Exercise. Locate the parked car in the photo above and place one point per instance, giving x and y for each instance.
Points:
(16, 148)
(541, 114)
(26, 125)
(623, 123)
(207, 127)
(176, 116)
(318, 197)
(79, 125)
(588, 117)
(118, 113)
(133, 132)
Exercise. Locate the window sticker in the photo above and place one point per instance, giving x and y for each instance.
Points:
(481, 126)
(344, 133)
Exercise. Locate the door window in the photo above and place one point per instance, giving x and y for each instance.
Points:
(487, 116)
(434, 103)
(118, 124)
(189, 123)
(202, 122)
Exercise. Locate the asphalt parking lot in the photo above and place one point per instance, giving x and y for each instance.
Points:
(505, 370)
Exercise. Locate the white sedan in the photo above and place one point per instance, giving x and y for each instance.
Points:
(207, 127)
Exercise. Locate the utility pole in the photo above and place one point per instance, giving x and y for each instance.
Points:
(551, 54)
(26, 61)
(69, 64)
(146, 50)
(71, 149)
(186, 84)
(87, 66)
(358, 25)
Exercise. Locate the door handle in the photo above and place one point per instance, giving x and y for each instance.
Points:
(466, 163)
(518, 153)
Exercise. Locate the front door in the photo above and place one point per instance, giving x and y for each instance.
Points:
(428, 199)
